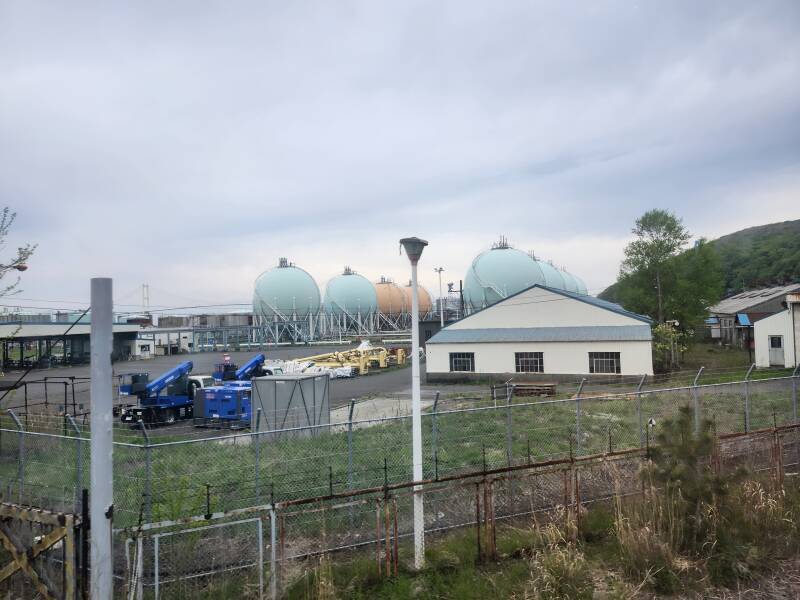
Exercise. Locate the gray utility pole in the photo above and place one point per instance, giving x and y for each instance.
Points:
(101, 501)
(414, 247)
(441, 300)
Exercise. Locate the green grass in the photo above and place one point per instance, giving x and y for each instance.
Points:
(188, 478)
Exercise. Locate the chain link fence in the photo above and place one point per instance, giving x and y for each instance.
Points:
(44, 459)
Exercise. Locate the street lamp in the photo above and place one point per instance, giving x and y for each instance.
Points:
(441, 300)
(414, 247)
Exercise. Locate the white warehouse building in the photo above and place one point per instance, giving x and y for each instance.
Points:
(543, 333)
(777, 337)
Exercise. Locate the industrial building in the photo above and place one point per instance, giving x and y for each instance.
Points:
(46, 343)
(731, 320)
(777, 337)
(542, 333)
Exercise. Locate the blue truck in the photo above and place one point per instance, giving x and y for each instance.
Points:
(164, 400)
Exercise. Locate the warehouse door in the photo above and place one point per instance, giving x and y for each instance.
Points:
(776, 351)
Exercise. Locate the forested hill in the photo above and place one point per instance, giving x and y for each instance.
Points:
(753, 257)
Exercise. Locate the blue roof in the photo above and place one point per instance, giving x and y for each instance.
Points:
(588, 333)
(743, 319)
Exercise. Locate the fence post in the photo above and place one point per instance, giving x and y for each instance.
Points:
(20, 455)
(639, 410)
(435, 436)
(273, 555)
(795, 374)
(509, 425)
(350, 444)
(257, 445)
(794, 416)
(148, 468)
(696, 401)
(78, 465)
(260, 535)
(747, 398)
(578, 442)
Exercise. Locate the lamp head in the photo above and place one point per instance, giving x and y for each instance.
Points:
(413, 247)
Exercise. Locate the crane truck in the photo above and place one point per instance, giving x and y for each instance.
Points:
(165, 399)
(252, 368)
(229, 403)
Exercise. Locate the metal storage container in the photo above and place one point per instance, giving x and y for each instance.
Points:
(291, 402)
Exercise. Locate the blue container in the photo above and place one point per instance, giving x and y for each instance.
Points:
(229, 404)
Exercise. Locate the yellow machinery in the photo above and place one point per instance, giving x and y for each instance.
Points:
(359, 359)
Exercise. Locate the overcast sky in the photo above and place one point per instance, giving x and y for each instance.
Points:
(188, 145)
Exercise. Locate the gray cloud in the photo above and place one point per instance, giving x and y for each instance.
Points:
(189, 145)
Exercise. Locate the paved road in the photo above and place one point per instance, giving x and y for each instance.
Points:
(390, 383)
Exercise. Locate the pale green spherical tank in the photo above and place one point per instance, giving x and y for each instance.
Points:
(570, 283)
(581, 285)
(350, 293)
(285, 292)
(498, 273)
(503, 271)
(552, 276)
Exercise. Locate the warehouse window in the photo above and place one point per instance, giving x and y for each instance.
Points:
(529, 362)
(604, 362)
(462, 361)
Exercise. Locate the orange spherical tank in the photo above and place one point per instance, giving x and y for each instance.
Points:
(425, 302)
(391, 299)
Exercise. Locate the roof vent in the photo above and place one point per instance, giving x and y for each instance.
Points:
(501, 244)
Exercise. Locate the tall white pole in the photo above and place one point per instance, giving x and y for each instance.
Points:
(416, 425)
(101, 480)
(441, 300)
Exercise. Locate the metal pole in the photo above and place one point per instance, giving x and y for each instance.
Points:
(578, 444)
(696, 401)
(747, 398)
(260, 524)
(350, 445)
(20, 455)
(416, 422)
(435, 436)
(148, 474)
(156, 581)
(639, 410)
(509, 424)
(441, 300)
(78, 464)
(257, 442)
(273, 556)
(794, 415)
(101, 465)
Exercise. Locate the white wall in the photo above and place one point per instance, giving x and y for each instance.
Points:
(777, 324)
(636, 358)
(537, 307)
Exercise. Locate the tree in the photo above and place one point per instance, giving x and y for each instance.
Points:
(18, 262)
(660, 236)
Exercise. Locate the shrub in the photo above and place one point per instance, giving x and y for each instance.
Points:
(596, 525)
(560, 571)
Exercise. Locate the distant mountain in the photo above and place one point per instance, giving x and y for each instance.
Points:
(753, 257)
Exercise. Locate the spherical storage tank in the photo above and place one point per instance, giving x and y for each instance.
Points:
(503, 271)
(425, 301)
(285, 291)
(391, 299)
(350, 293)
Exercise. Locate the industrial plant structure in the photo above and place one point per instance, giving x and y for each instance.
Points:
(288, 306)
